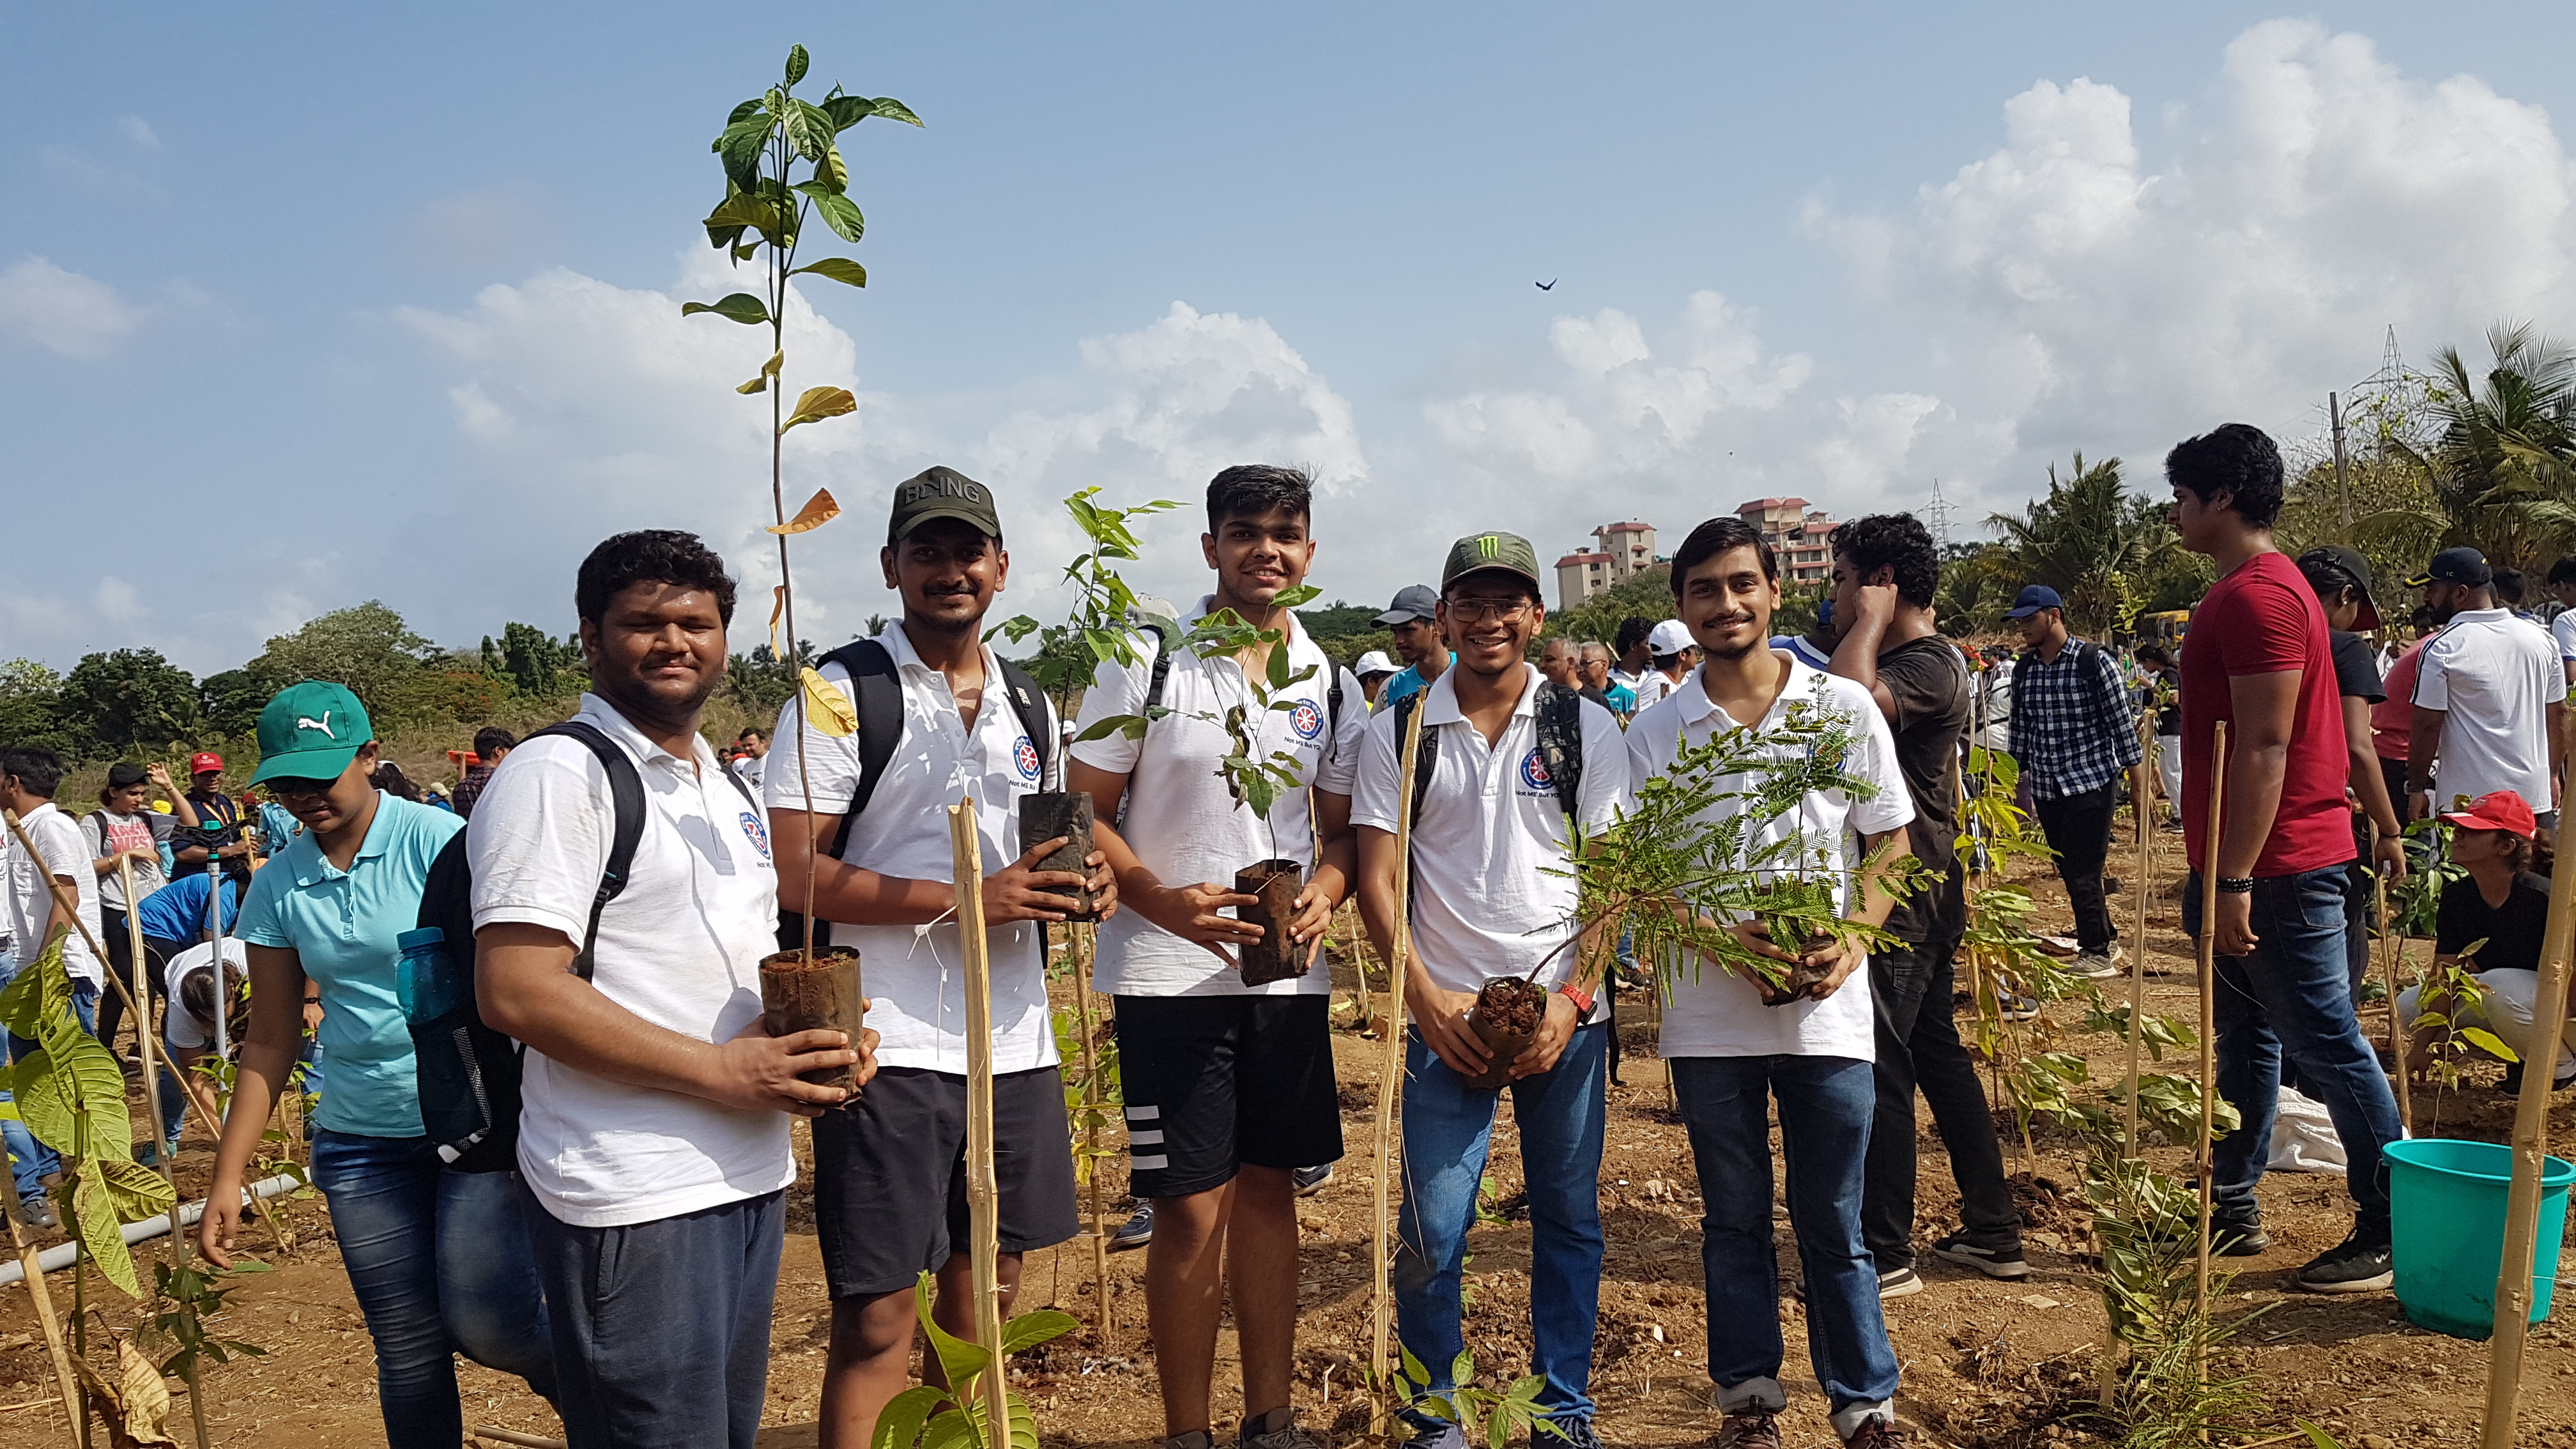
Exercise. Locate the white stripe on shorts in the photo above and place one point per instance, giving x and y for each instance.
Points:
(1145, 1138)
(1155, 1163)
(1147, 1113)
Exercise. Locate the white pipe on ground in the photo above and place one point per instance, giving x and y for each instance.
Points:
(60, 1256)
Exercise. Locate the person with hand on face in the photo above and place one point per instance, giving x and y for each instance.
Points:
(890, 1170)
(437, 1256)
(1493, 895)
(2341, 578)
(2260, 661)
(2490, 698)
(653, 1136)
(1412, 622)
(1229, 1088)
(2494, 921)
(1732, 1049)
(1885, 571)
(2073, 732)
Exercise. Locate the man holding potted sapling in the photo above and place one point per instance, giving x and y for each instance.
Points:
(1731, 1050)
(890, 1170)
(1507, 762)
(1229, 1088)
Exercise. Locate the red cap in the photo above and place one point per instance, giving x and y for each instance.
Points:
(204, 760)
(2500, 810)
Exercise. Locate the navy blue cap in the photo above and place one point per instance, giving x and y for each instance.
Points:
(2033, 599)
(2465, 566)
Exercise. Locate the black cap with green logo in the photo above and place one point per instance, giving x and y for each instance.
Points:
(1480, 551)
(941, 492)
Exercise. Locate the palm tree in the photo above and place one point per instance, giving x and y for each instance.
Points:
(2097, 544)
(2500, 473)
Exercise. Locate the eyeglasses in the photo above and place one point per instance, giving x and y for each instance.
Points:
(285, 785)
(1477, 611)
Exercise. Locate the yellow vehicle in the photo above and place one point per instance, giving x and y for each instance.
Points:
(2166, 628)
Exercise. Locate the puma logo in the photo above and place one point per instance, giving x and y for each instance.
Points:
(307, 722)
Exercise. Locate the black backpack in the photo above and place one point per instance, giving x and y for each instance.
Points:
(469, 1073)
(880, 700)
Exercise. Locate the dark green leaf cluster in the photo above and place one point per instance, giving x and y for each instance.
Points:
(1101, 629)
(953, 1417)
(1486, 1416)
(177, 1337)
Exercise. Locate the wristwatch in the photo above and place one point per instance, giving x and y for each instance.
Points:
(1583, 1003)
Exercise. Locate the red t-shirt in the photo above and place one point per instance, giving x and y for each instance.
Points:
(2263, 619)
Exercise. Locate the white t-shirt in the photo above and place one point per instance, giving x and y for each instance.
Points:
(2562, 629)
(1494, 894)
(57, 838)
(1718, 1013)
(183, 1029)
(2496, 675)
(1182, 823)
(1649, 686)
(915, 980)
(103, 832)
(679, 947)
(751, 768)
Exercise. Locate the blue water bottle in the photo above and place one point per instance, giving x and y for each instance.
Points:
(426, 982)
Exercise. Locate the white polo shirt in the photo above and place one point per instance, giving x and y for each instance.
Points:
(1718, 1013)
(2496, 675)
(1182, 823)
(57, 838)
(183, 1029)
(1494, 889)
(2562, 632)
(679, 947)
(1649, 687)
(916, 979)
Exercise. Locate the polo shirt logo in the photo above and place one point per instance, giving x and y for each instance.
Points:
(1306, 720)
(759, 837)
(1024, 756)
(1534, 771)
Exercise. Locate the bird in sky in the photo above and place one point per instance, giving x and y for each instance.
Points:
(1547, 286)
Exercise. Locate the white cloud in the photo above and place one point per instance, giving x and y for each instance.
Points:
(71, 314)
(139, 131)
(117, 601)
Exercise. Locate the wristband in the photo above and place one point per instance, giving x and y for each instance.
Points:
(1582, 1000)
(2235, 885)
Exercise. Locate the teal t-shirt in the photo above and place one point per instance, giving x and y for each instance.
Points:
(341, 925)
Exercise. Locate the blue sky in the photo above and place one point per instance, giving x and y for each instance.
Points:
(308, 305)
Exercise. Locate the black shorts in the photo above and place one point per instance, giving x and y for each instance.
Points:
(1214, 1082)
(890, 1175)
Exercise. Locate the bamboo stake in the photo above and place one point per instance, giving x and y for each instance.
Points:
(142, 1015)
(2144, 799)
(2530, 1155)
(982, 1196)
(1382, 1294)
(2208, 1032)
(64, 1375)
(1085, 949)
(2396, 1032)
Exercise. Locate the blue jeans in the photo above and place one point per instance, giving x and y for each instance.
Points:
(1448, 1129)
(440, 1265)
(30, 1161)
(661, 1329)
(1825, 1112)
(2294, 997)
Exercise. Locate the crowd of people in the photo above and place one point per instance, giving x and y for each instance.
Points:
(615, 1241)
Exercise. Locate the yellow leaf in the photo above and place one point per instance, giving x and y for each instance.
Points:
(147, 1398)
(770, 368)
(777, 606)
(818, 510)
(828, 708)
(818, 403)
(757, 384)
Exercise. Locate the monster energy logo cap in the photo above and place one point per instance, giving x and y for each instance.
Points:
(941, 492)
(1508, 552)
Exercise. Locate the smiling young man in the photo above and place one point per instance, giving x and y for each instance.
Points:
(1229, 1088)
(890, 1171)
(1514, 760)
(1732, 1052)
(653, 1140)
(2260, 661)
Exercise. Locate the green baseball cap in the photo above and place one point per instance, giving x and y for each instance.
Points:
(311, 731)
(941, 492)
(1480, 551)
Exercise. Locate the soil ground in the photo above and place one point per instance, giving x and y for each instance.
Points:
(1987, 1365)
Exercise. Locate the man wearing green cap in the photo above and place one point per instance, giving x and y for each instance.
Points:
(438, 1257)
(1512, 767)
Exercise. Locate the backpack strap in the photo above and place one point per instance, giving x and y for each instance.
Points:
(880, 707)
(626, 792)
(1162, 671)
(1560, 742)
(1333, 712)
(1426, 755)
(1027, 703)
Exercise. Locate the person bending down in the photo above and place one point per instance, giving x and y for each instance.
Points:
(2491, 921)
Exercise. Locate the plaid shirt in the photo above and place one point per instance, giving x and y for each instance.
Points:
(470, 789)
(2071, 733)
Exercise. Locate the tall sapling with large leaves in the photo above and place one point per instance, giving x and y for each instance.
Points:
(763, 216)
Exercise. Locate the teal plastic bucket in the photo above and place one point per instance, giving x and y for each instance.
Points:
(2447, 1201)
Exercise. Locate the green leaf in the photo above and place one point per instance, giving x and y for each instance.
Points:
(838, 212)
(51, 1088)
(743, 112)
(1133, 726)
(740, 307)
(2317, 1438)
(839, 269)
(848, 111)
(796, 64)
(743, 253)
(744, 209)
(94, 1219)
(951, 1429)
(1462, 1369)
(830, 171)
(810, 132)
(1028, 1330)
(740, 147)
(900, 1422)
(137, 1191)
(958, 1358)
(2490, 1043)
(1413, 1371)
(893, 110)
(1291, 598)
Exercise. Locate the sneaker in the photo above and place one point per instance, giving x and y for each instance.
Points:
(40, 1213)
(2237, 1237)
(2095, 966)
(1563, 1434)
(2017, 1007)
(1137, 1231)
(1877, 1434)
(1277, 1429)
(1310, 1180)
(1997, 1262)
(1441, 1436)
(1749, 1429)
(2356, 1265)
(1195, 1439)
(1898, 1283)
